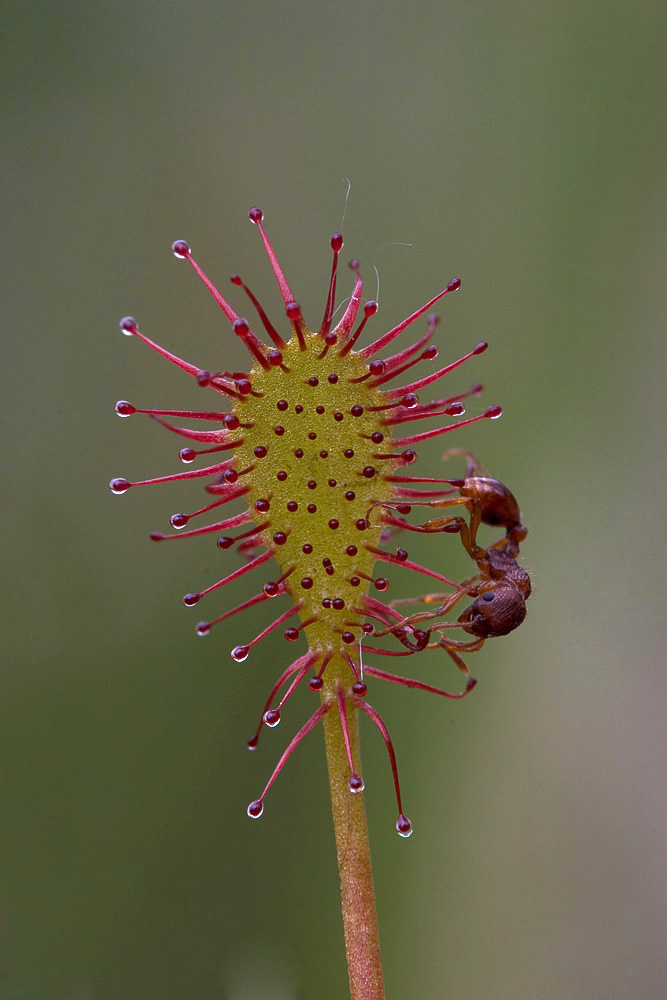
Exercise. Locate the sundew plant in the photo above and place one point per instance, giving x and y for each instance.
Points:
(310, 448)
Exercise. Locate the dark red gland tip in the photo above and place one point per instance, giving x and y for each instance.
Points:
(256, 215)
(271, 718)
(125, 409)
(128, 325)
(337, 242)
(493, 412)
(454, 285)
(256, 808)
(119, 486)
(480, 348)
(403, 824)
(356, 784)
(181, 249)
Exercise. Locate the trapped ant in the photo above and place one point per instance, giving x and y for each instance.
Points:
(500, 588)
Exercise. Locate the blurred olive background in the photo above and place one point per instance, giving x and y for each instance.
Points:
(520, 146)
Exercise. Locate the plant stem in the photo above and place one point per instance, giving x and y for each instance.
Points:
(362, 942)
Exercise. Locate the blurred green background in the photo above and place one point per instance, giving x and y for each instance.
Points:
(519, 145)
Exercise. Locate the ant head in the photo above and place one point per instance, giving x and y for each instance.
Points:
(496, 612)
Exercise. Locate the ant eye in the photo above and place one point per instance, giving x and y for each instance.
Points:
(487, 597)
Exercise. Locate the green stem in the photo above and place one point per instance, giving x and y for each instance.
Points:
(362, 942)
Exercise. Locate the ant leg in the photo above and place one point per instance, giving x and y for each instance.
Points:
(446, 601)
(424, 599)
(423, 616)
(467, 532)
(463, 588)
(463, 667)
(458, 525)
(475, 551)
(450, 523)
(444, 503)
(398, 503)
(473, 465)
(450, 645)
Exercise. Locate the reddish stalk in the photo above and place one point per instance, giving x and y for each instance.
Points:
(362, 941)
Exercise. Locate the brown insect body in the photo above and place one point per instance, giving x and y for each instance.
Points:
(501, 587)
(500, 606)
(496, 504)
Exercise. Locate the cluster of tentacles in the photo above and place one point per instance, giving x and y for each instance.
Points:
(310, 441)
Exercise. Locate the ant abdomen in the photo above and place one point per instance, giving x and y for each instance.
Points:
(496, 612)
(497, 504)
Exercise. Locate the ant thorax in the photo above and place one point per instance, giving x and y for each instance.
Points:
(504, 567)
